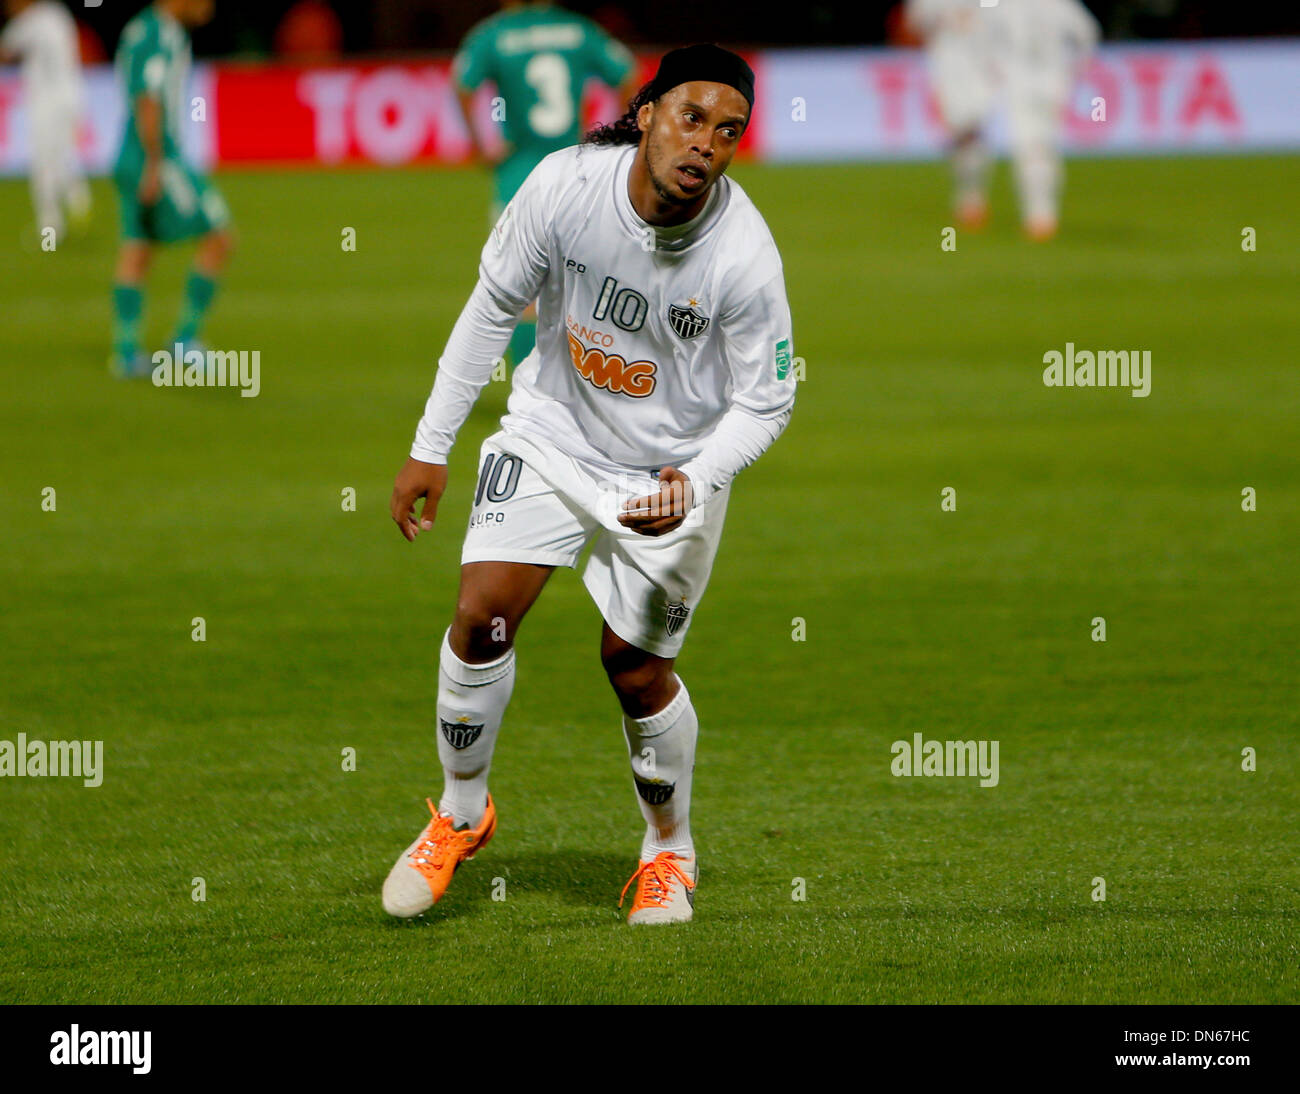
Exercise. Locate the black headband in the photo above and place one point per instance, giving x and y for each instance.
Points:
(712, 64)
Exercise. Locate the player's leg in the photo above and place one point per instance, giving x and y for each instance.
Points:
(509, 176)
(964, 91)
(520, 530)
(661, 729)
(45, 177)
(134, 257)
(524, 337)
(74, 193)
(1036, 118)
(971, 166)
(210, 260)
(476, 676)
(646, 589)
(200, 212)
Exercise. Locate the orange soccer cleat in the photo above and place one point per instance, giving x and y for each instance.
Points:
(1041, 229)
(665, 890)
(422, 873)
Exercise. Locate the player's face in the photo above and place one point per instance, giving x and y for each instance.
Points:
(691, 135)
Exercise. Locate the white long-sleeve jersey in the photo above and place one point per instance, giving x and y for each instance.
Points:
(1050, 35)
(654, 346)
(44, 36)
(934, 17)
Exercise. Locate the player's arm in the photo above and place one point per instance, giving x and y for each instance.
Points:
(613, 62)
(469, 69)
(146, 70)
(1082, 31)
(481, 152)
(757, 342)
(513, 265)
(148, 126)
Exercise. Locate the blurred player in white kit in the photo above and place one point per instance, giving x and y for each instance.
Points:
(41, 35)
(1028, 53)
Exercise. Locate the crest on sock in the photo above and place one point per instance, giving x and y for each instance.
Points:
(460, 734)
(654, 793)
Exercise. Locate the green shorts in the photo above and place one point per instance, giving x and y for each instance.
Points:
(189, 206)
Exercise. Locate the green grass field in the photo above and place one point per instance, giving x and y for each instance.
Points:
(1120, 760)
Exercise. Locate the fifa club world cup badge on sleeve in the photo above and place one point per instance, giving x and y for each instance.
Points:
(783, 359)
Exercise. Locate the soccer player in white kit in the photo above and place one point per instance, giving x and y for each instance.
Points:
(663, 367)
(42, 35)
(1026, 52)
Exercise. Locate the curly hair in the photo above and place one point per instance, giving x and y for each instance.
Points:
(625, 130)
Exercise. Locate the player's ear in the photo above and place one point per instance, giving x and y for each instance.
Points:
(644, 115)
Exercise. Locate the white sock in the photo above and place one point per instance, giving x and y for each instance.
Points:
(661, 749)
(472, 700)
(970, 165)
(1038, 179)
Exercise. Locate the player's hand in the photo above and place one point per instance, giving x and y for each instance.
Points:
(150, 189)
(417, 480)
(655, 514)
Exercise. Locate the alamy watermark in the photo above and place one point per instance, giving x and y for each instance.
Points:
(1105, 368)
(209, 368)
(131, 1048)
(951, 758)
(53, 759)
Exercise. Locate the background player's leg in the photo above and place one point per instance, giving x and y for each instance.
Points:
(45, 172)
(524, 337)
(73, 191)
(1038, 180)
(133, 261)
(971, 165)
(661, 729)
(210, 261)
(476, 675)
(1036, 105)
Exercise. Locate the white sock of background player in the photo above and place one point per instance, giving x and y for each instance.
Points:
(1038, 180)
(971, 164)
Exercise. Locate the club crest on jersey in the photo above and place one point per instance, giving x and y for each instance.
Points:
(675, 616)
(460, 734)
(687, 322)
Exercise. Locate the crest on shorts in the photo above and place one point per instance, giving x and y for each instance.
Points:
(686, 321)
(675, 616)
(460, 734)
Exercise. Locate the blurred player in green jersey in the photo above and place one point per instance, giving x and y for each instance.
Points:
(540, 57)
(163, 198)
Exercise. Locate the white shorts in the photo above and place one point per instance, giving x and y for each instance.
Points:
(964, 85)
(533, 503)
